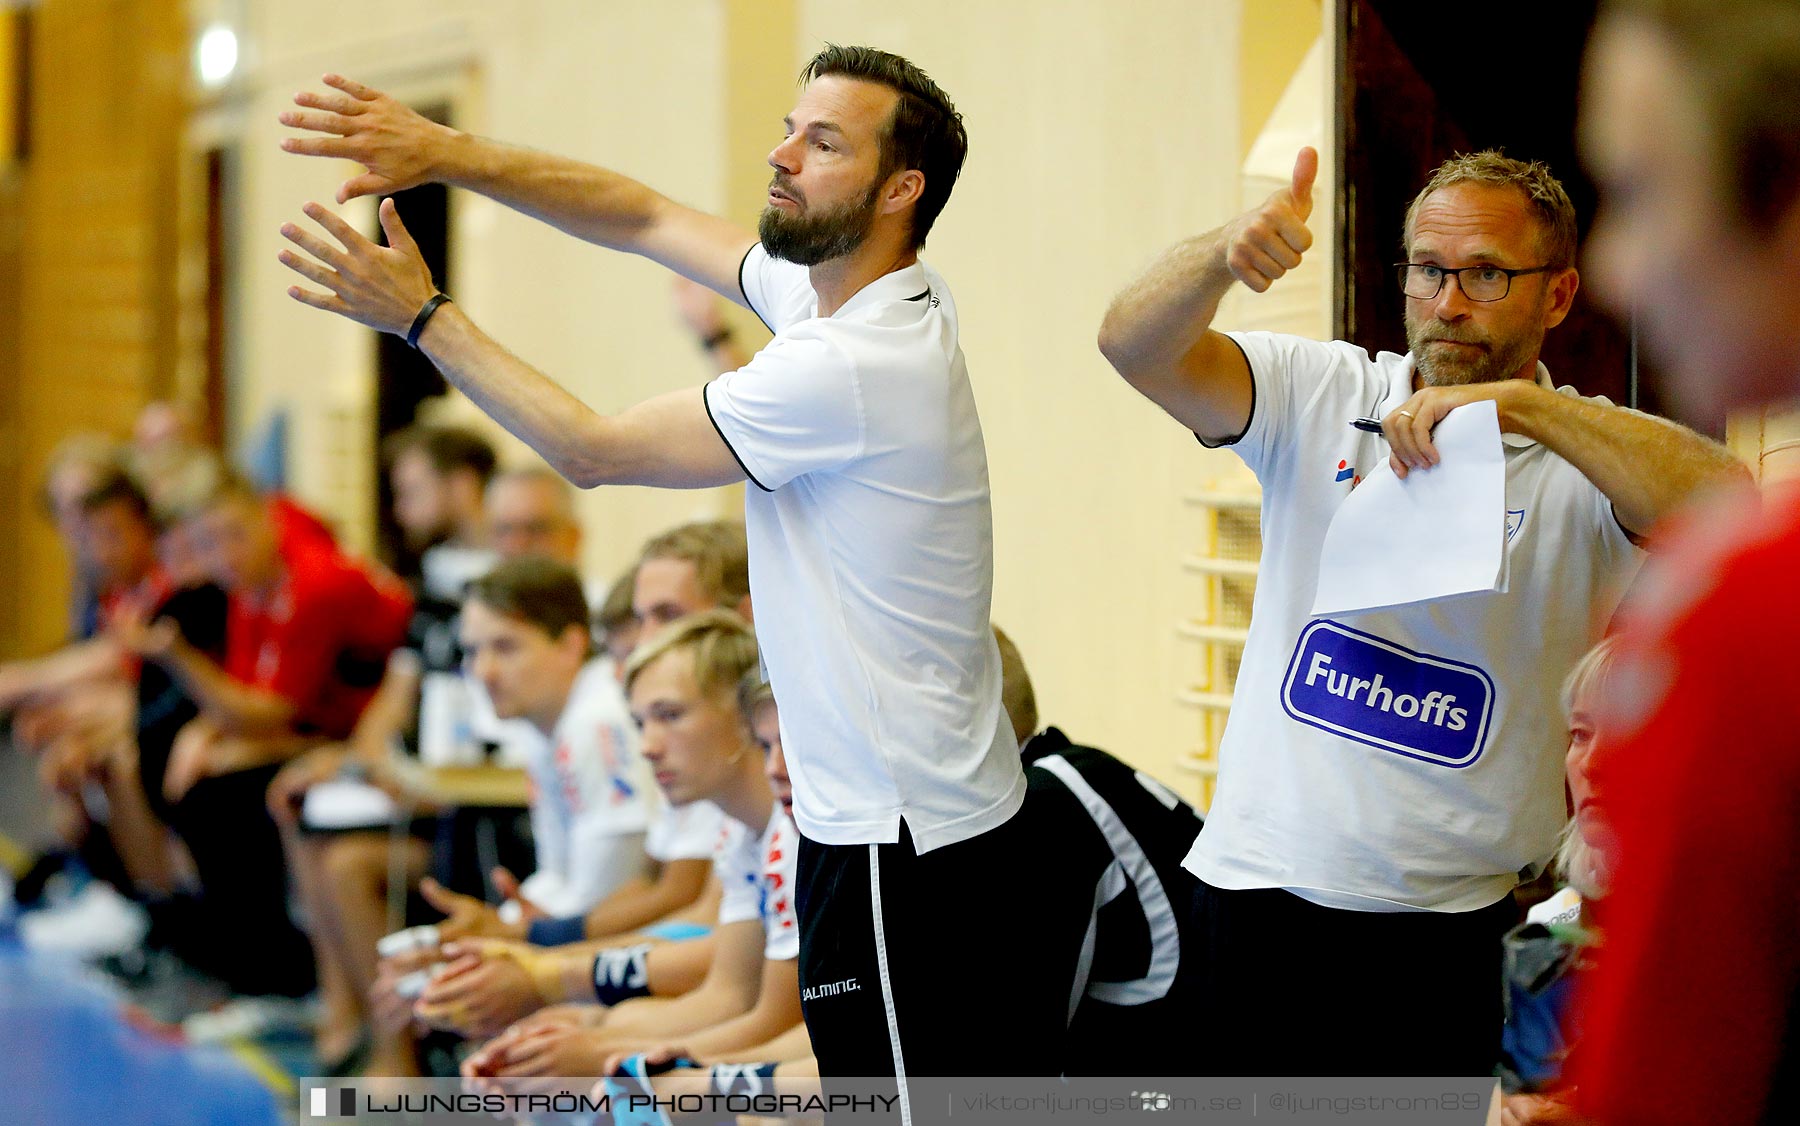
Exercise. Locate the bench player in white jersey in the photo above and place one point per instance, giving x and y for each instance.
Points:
(592, 798)
(691, 567)
(869, 518)
(683, 687)
(1362, 846)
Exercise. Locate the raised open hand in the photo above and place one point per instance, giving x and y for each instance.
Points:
(383, 287)
(398, 147)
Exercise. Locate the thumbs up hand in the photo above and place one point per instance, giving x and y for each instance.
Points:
(1265, 243)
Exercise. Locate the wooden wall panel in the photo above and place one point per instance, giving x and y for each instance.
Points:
(11, 477)
(96, 299)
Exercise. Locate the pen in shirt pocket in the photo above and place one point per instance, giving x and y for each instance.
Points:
(1372, 425)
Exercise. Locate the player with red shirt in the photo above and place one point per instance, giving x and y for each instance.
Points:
(308, 631)
(307, 634)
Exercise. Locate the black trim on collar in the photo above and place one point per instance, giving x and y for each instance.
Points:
(750, 305)
(749, 476)
(1239, 436)
(920, 296)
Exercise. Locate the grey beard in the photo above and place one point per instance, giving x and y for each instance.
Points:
(1500, 362)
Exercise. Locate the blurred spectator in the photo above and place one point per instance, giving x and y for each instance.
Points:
(76, 707)
(531, 511)
(76, 466)
(616, 627)
(439, 475)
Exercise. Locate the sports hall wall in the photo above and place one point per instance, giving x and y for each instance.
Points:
(1100, 133)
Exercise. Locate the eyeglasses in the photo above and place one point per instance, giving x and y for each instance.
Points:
(1478, 283)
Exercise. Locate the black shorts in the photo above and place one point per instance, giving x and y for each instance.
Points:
(966, 967)
(1287, 987)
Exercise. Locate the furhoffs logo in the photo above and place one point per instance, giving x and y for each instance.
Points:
(1387, 696)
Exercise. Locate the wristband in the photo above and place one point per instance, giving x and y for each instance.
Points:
(622, 974)
(742, 1078)
(631, 1096)
(425, 311)
(713, 340)
(556, 932)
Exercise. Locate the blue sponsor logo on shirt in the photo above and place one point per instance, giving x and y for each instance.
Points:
(1364, 688)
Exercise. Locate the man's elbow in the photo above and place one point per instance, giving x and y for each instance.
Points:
(585, 468)
(1116, 345)
(586, 475)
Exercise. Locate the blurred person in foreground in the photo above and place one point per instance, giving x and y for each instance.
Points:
(1691, 126)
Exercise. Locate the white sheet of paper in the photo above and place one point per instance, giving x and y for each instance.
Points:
(1438, 533)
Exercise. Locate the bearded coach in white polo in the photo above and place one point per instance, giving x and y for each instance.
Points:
(1387, 778)
(868, 515)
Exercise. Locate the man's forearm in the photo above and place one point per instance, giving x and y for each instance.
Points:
(638, 905)
(64, 668)
(644, 1022)
(580, 199)
(1646, 466)
(667, 441)
(387, 715)
(235, 707)
(791, 1044)
(750, 1030)
(1154, 322)
(565, 431)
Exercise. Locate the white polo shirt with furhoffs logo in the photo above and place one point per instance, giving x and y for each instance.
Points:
(1412, 758)
(871, 558)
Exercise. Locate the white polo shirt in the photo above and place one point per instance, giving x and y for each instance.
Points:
(593, 797)
(683, 832)
(756, 874)
(871, 558)
(1411, 758)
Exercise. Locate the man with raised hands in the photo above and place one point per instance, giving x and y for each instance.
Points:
(870, 525)
(1357, 853)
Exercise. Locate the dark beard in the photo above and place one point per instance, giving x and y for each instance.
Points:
(808, 240)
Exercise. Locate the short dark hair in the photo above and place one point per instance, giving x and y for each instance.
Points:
(544, 593)
(925, 131)
(1744, 61)
(447, 448)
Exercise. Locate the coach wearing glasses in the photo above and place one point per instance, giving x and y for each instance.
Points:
(1387, 778)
